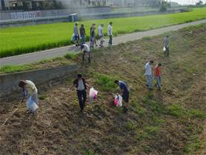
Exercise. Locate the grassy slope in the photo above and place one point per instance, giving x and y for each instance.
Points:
(167, 122)
(33, 38)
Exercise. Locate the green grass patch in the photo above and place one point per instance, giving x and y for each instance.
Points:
(192, 145)
(106, 82)
(18, 40)
(12, 69)
(71, 56)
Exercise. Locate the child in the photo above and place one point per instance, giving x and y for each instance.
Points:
(158, 76)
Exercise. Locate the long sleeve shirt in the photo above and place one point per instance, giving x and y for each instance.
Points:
(109, 32)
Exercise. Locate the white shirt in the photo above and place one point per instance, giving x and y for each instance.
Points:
(148, 69)
(109, 32)
(30, 87)
(86, 48)
(100, 33)
(80, 85)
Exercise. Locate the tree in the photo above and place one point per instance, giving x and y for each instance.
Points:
(199, 3)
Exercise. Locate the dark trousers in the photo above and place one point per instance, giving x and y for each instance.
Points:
(82, 95)
(110, 40)
(88, 55)
(167, 51)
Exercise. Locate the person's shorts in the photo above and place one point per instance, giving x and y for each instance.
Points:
(125, 97)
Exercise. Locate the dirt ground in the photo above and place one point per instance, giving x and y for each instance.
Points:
(167, 122)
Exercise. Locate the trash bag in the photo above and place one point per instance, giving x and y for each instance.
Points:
(118, 100)
(164, 49)
(31, 104)
(92, 94)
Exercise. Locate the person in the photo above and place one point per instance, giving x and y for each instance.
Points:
(92, 36)
(124, 92)
(101, 35)
(158, 76)
(81, 86)
(148, 74)
(166, 45)
(86, 50)
(30, 90)
(76, 34)
(109, 32)
(82, 33)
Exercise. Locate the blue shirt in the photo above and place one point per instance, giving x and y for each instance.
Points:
(123, 86)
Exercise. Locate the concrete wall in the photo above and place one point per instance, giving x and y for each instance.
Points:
(9, 82)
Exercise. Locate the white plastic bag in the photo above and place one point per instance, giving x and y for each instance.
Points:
(118, 100)
(164, 49)
(92, 94)
(31, 105)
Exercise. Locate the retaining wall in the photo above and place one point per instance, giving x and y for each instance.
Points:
(9, 82)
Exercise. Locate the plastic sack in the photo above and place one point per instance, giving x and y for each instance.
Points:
(92, 94)
(118, 100)
(164, 49)
(31, 105)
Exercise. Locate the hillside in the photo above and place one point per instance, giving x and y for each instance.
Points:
(167, 122)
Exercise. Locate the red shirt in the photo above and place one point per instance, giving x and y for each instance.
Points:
(157, 71)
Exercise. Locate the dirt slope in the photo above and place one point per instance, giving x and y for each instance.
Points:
(169, 122)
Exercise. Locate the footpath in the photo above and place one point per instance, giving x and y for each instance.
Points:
(59, 52)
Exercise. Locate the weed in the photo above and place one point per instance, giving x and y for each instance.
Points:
(105, 81)
(193, 144)
(71, 56)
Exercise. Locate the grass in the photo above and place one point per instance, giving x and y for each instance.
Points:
(169, 121)
(48, 63)
(18, 40)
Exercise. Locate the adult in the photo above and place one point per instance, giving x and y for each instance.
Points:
(82, 33)
(76, 34)
(101, 35)
(92, 36)
(86, 51)
(148, 74)
(166, 45)
(81, 86)
(124, 92)
(158, 76)
(109, 32)
(30, 90)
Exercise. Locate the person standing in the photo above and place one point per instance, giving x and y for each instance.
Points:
(76, 34)
(148, 74)
(158, 76)
(166, 45)
(101, 35)
(109, 32)
(81, 86)
(30, 90)
(92, 36)
(124, 92)
(82, 34)
(86, 51)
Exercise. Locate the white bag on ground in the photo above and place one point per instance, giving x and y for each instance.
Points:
(92, 94)
(118, 100)
(31, 105)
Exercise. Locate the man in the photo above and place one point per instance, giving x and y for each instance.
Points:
(148, 74)
(86, 50)
(101, 35)
(166, 45)
(81, 87)
(29, 89)
(109, 32)
(158, 76)
(82, 33)
(124, 92)
(92, 36)
(76, 34)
